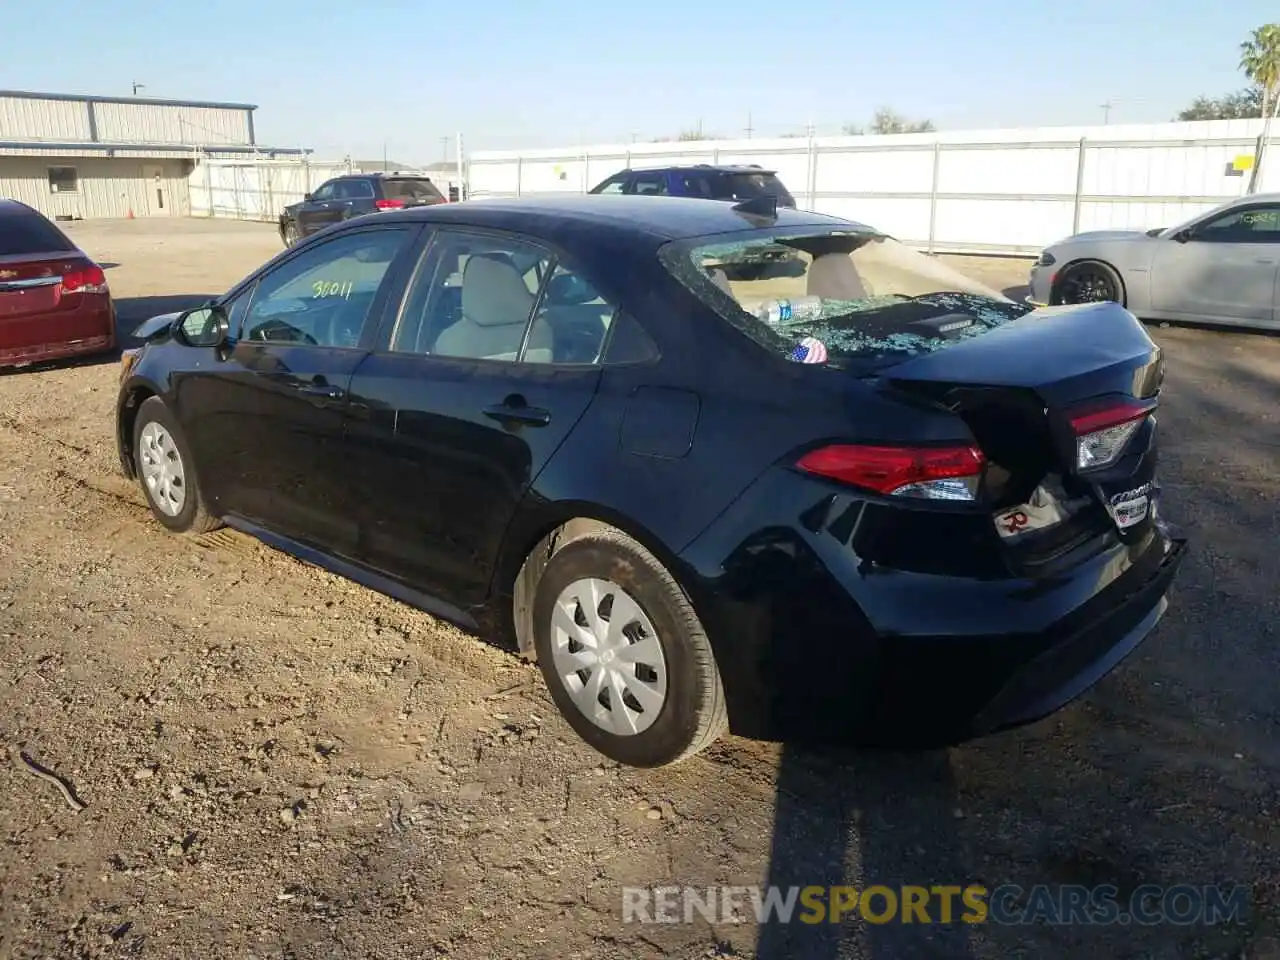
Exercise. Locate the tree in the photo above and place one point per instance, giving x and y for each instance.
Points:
(1260, 60)
(887, 120)
(1242, 105)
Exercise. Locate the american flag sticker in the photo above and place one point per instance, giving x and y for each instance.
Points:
(809, 350)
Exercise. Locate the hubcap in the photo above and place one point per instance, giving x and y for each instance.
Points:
(1088, 287)
(607, 655)
(161, 467)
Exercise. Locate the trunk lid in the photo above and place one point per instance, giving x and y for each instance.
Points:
(32, 283)
(1029, 391)
(1065, 354)
(57, 297)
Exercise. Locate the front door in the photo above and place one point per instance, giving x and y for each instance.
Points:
(318, 210)
(1225, 269)
(159, 201)
(453, 420)
(266, 416)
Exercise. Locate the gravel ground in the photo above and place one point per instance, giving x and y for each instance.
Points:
(279, 764)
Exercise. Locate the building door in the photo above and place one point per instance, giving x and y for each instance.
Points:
(158, 199)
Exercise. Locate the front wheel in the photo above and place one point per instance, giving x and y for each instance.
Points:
(166, 472)
(1090, 282)
(290, 233)
(624, 655)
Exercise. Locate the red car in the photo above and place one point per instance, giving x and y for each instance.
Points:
(54, 301)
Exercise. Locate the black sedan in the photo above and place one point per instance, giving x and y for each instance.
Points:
(712, 465)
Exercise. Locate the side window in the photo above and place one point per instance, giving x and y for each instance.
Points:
(323, 296)
(1252, 225)
(696, 185)
(471, 297)
(325, 191)
(629, 342)
(649, 184)
(613, 185)
(571, 321)
(355, 190)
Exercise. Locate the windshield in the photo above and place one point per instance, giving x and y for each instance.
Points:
(23, 233)
(845, 298)
(405, 189)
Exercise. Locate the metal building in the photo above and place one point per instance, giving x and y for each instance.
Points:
(80, 157)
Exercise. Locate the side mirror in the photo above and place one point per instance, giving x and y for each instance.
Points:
(306, 197)
(1182, 236)
(205, 326)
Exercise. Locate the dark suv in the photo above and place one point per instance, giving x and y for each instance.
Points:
(352, 196)
(702, 181)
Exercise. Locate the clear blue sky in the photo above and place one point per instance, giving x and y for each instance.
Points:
(353, 76)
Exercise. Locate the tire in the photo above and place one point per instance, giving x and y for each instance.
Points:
(157, 438)
(690, 713)
(289, 233)
(1090, 281)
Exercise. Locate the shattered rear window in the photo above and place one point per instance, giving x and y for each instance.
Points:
(844, 298)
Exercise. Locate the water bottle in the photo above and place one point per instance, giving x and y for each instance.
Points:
(797, 310)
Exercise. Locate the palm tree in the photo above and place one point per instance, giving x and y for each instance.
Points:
(1260, 60)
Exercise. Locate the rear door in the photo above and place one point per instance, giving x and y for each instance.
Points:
(356, 197)
(1225, 270)
(265, 417)
(50, 293)
(489, 364)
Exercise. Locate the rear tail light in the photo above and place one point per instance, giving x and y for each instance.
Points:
(929, 473)
(389, 204)
(1102, 432)
(84, 278)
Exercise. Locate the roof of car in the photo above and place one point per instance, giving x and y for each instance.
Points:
(14, 207)
(705, 168)
(669, 218)
(382, 175)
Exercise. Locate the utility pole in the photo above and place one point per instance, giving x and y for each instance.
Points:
(1106, 111)
(138, 86)
(444, 142)
(750, 129)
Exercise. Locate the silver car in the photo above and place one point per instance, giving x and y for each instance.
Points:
(1220, 267)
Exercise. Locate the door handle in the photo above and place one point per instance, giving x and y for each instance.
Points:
(515, 410)
(320, 391)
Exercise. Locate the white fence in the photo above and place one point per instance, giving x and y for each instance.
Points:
(998, 191)
(255, 189)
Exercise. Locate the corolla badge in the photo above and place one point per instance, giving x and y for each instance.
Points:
(1131, 506)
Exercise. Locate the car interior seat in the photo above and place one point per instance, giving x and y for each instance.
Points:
(834, 277)
(495, 308)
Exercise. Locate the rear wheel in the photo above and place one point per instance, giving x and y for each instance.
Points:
(1090, 282)
(166, 472)
(623, 653)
